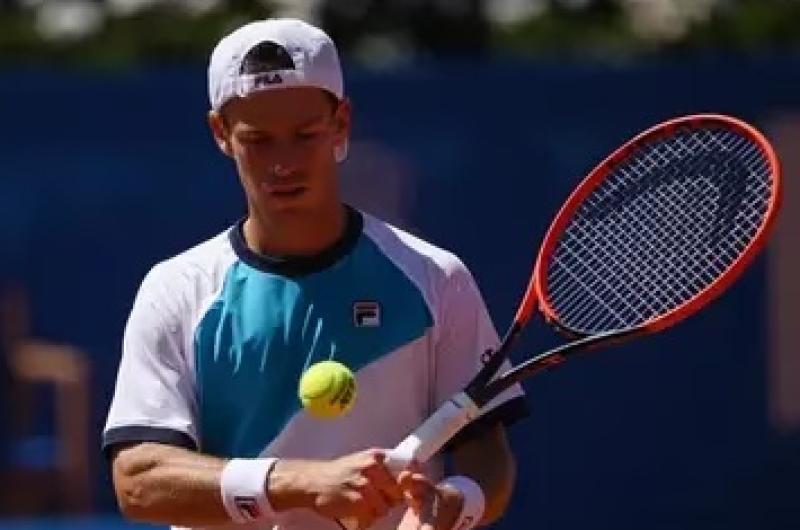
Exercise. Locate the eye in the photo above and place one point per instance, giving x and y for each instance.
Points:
(309, 134)
(253, 139)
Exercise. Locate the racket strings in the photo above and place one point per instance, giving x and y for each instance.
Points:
(662, 227)
(724, 192)
(645, 246)
(661, 235)
(623, 281)
(683, 276)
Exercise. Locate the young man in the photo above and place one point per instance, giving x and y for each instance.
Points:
(205, 429)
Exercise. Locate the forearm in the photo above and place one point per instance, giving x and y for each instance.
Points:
(161, 484)
(169, 485)
(496, 474)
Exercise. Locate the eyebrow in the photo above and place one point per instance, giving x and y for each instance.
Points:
(313, 121)
(316, 120)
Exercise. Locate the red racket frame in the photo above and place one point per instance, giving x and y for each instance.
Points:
(481, 390)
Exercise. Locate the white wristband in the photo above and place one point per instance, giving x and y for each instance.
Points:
(474, 501)
(244, 489)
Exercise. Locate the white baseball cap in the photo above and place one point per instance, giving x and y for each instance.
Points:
(271, 54)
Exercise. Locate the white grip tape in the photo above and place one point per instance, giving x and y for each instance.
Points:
(428, 438)
(432, 435)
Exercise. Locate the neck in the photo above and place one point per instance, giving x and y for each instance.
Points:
(295, 234)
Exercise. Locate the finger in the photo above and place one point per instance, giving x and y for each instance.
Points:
(426, 515)
(377, 456)
(415, 494)
(413, 502)
(410, 521)
(428, 501)
(430, 506)
(365, 522)
(404, 477)
(416, 487)
(363, 516)
(374, 500)
(357, 506)
(448, 509)
(409, 478)
(382, 479)
(410, 474)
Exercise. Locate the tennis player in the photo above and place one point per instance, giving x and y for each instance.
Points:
(205, 428)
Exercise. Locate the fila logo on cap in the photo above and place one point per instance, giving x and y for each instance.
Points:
(366, 314)
(269, 79)
(263, 61)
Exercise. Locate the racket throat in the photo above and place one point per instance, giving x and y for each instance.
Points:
(492, 360)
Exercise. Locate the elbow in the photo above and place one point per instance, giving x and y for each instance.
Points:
(131, 470)
(132, 501)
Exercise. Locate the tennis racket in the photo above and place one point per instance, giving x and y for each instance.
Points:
(653, 234)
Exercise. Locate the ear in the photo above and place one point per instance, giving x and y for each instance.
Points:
(341, 121)
(216, 121)
(340, 152)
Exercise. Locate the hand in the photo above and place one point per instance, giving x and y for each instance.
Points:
(430, 506)
(356, 486)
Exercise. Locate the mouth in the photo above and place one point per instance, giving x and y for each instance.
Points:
(283, 191)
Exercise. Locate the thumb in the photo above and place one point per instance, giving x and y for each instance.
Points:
(417, 490)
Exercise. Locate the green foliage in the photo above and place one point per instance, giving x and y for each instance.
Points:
(606, 29)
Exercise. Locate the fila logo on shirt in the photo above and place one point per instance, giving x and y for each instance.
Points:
(366, 314)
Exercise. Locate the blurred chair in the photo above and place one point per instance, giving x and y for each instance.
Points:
(42, 473)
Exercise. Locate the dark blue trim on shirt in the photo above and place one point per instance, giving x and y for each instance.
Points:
(141, 434)
(294, 266)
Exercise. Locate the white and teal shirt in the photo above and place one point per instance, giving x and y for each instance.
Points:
(219, 336)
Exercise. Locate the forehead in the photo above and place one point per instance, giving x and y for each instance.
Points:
(279, 107)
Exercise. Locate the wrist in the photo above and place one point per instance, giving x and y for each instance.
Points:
(473, 500)
(242, 489)
(285, 486)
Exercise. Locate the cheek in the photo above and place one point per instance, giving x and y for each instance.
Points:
(319, 154)
(250, 160)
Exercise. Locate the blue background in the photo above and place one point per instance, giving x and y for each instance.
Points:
(104, 174)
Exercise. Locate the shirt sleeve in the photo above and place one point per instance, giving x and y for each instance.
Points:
(466, 332)
(154, 398)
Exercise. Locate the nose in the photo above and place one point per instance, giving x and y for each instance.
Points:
(286, 160)
(282, 171)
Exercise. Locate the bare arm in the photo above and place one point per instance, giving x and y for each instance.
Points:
(162, 484)
(496, 475)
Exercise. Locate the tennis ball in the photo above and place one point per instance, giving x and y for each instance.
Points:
(327, 389)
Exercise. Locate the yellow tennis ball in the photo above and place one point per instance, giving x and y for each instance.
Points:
(327, 389)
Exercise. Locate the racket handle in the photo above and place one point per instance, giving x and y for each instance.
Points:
(434, 433)
(427, 439)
